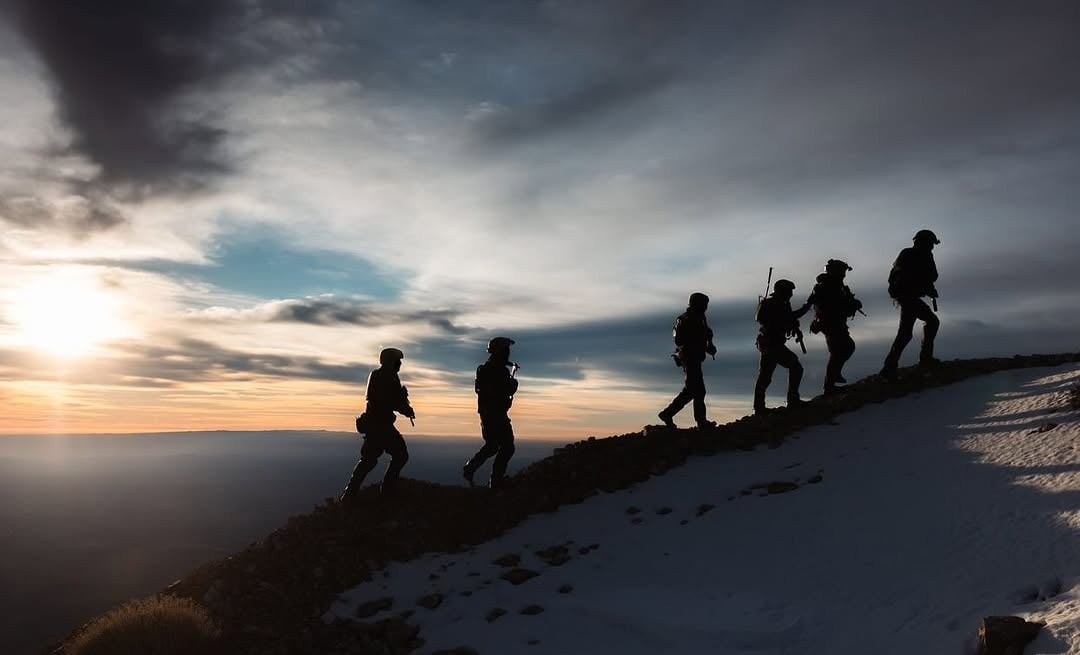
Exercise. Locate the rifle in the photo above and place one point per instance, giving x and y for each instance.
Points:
(405, 392)
(513, 371)
(934, 301)
(799, 338)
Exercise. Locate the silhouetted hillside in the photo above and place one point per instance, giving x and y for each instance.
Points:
(270, 597)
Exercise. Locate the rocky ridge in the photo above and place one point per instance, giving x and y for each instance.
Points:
(270, 597)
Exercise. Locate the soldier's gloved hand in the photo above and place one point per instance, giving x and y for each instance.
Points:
(933, 292)
(858, 305)
(710, 349)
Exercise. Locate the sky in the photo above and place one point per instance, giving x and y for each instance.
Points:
(215, 213)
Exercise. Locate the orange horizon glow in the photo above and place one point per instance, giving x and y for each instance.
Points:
(58, 408)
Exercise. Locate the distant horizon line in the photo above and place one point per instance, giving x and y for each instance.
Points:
(233, 431)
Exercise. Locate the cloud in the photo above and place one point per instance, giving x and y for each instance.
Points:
(134, 84)
(327, 312)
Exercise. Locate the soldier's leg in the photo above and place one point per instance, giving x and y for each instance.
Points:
(506, 451)
(841, 348)
(684, 396)
(832, 367)
(931, 323)
(488, 431)
(766, 366)
(695, 385)
(903, 335)
(399, 456)
(789, 360)
(848, 350)
(369, 457)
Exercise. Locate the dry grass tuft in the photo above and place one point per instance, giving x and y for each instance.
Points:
(160, 625)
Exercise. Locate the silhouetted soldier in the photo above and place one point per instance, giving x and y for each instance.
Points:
(495, 388)
(778, 322)
(693, 340)
(834, 304)
(912, 277)
(385, 395)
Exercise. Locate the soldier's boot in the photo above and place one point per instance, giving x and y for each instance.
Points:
(706, 424)
(889, 372)
(794, 402)
(349, 495)
(928, 362)
(667, 419)
(468, 472)
(833, 389)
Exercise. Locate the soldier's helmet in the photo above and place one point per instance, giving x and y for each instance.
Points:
(781, 286)
(499, 343)
(837, 265)
(390, 355)
(926, 236)
(698, 301)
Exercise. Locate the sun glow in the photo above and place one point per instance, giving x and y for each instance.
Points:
(67, 313)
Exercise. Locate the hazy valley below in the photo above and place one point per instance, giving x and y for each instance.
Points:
(89, 521)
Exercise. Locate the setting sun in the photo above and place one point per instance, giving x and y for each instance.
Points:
(66, 313)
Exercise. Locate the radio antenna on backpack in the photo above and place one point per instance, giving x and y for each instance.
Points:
(762, 297)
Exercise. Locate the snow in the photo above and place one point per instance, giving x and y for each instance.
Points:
(934, 511)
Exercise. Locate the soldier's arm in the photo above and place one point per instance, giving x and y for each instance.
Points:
(405, 408)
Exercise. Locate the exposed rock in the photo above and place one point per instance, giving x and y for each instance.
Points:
(663, 510)
(814, 479)
(1005, 635)
(507, 560)
(633, 510)
(781, 487)
(518, 576)
(494, 614)
(373, 607)
(460, 650)
(1045, 427)
(554, 555)
(431, 601)
(565, 589)
(531, 610)
(703, 509)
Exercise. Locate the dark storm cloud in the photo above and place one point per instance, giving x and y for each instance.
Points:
(122, 69)
(743, 102)
(343, 312)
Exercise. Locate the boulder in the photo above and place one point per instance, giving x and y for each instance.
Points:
(1005, 635)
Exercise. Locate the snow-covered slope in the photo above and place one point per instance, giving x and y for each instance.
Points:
(931, 512)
